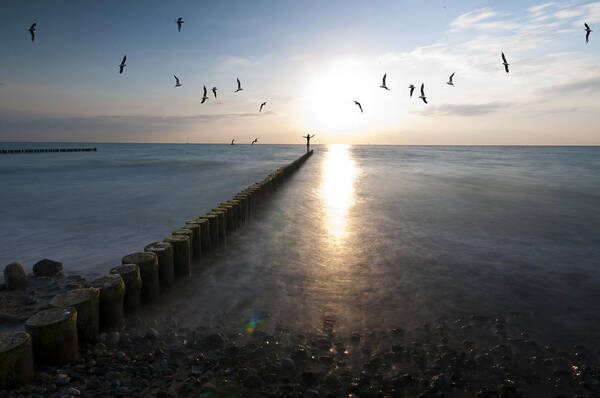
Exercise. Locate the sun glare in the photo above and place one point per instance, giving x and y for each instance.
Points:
(337, 189)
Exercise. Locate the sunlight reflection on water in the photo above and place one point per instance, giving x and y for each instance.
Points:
(337, 190)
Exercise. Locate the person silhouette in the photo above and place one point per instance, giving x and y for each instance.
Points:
(308, 137)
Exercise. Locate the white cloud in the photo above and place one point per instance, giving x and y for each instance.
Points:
(472, 18)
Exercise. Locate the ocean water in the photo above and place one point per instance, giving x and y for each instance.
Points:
(370, 236)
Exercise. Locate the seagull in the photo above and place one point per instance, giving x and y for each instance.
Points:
(587, 32)
(422, 96)
(179, 22)
(383, 82)
(412, 88)
(232, 141)
(261, 106)
(122, 65)
(449, 82)
(505, 63)
(239, 86)
(177, 84)
(255, 140)
(359, 105)
(204, 97)
(214, 90)
(32, 31)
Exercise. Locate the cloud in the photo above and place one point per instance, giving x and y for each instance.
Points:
(463, 109)
(591, 85)
(541, 8)
(472, 18)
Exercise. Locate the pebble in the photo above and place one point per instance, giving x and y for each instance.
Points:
(73, 392)
(62, 379)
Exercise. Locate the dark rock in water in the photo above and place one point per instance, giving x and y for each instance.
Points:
(15, 276)
(47, 267)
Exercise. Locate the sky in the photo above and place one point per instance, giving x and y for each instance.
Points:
(309, 60)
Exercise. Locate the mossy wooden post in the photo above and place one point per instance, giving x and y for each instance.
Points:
(228, 214)
(164, 254)
(112, 294)
(235, 205)
(182, 255)
(54, 336)
(130, 273)
(16, 359)
(148, 264)
(205, 240)
(222, 224)
(87, 303)
(243, 198)
(213, 221)
(196, 238)
(190, 234)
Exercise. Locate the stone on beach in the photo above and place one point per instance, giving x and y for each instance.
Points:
(15, 276)
(47, 267)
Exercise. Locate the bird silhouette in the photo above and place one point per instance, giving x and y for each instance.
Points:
(412, 88)
(32, 31)
(383, 82)
(505, 63)
(254, 141)
(587, 32)
(449, 82)
(239, 88)
(261, 106)
(179, 23)
(177, 83)
(232, 141)
(422, 96)
(204, 96)
(359, 106)
(214, 90)
(122, 64)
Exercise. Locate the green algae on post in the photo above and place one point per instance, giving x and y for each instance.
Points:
(130, 273)
(148, 264)
(16, 359)
(112, 295)
(87, 303)
(54, 336)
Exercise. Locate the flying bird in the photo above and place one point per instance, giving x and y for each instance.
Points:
(359, 106)
(179, 23)
(122, 65)
(204, 96)
(505, 63)
(239, 86)
(261, 106)
(255, 140)
(449, 82)
(412, 88)
(214, 90)
(32, 31)
(383, 82)
(177, 83)
(232, 141)
(422, 96)
(587, 32)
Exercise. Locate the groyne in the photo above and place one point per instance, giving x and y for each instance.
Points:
(52, 337)
(45, 150)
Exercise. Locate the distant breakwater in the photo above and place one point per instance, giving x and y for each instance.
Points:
(52, 336)
(46, 150)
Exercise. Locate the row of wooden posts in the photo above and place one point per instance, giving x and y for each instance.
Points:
(44, 150)
(52, 336)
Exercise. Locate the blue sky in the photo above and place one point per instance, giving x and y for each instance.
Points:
(309, 60)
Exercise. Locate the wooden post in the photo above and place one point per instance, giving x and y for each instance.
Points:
(148, 264)
(190, 234)
(222, 224)
(164, 254)
(130, 273)
(182, 255)
(54, 336)
(112, 294)
(205, 241)
(196, 238)
(87, 303)
(213, 221)
(16, 359)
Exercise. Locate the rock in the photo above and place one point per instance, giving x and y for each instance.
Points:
(215, 341)
(121, 356)
(73, 392)
(112, 338)
(47, 267)
(62, 379)
(252, 381)
(43, 378)
(15, 276)
(166, 393)
(152, 334)
(288, 364)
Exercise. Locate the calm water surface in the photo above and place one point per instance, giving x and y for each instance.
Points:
(373, 237)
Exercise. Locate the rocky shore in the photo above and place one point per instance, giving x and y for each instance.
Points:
(477, 356)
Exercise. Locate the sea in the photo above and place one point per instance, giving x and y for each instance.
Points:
(375, 236)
